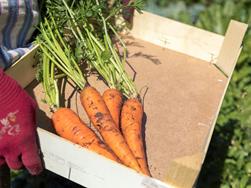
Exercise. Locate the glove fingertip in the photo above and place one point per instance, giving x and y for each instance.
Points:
(35, 169)
(32, 161)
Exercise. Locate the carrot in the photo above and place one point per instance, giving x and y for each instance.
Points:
(100, 117)
(113, 101)
(131, 126)
(69, 126)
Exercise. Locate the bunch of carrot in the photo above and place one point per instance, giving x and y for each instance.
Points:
(66, 122)
(128, 118)
(119, 124)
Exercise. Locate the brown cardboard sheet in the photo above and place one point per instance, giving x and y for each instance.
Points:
(181, 97)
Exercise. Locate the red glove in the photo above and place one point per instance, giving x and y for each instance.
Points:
(128, 12)
(17, 127)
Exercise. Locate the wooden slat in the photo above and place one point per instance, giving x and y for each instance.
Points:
(229, 54)
(177, 36)
(19, 70)
(88, 168)
(231, 47)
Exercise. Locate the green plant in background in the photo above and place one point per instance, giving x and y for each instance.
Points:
(228, 162)
(178, 10)
(234, 123)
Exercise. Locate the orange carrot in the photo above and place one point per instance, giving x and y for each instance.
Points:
(100, 117)
(113, 101)
(131, 126)
(71, 127)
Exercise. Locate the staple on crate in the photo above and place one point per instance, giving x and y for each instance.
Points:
(202, 124)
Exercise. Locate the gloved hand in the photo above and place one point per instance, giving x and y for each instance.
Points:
(17, 127)
(128, 12)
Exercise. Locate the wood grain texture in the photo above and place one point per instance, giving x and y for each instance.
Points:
(231, 47)
(177, 36)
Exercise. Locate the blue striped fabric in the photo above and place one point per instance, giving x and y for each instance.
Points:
(17, 21)
(6, 58)
(12, 19)
(27, 23)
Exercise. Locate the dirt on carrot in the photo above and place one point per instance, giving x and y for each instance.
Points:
(100, 117)
(131, 126)
(113, 100)
(69, 126)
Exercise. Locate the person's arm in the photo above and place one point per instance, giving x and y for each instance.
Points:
(18, 21)
(18, 145)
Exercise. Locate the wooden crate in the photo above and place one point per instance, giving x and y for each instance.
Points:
(186, 70)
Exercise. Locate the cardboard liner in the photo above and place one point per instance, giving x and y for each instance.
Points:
(180, 104)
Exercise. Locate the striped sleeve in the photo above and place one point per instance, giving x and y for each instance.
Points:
(8, 57)
(18, 19)
(31, 20)
(9, 31)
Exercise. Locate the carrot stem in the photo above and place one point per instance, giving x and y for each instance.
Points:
(66, 122)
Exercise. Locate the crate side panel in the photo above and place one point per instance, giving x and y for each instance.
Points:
(231, 47)
(87, 168)
(23, 70)
(228, 57)
(177, 36)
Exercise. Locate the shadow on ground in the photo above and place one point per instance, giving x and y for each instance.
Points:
(213, 166)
